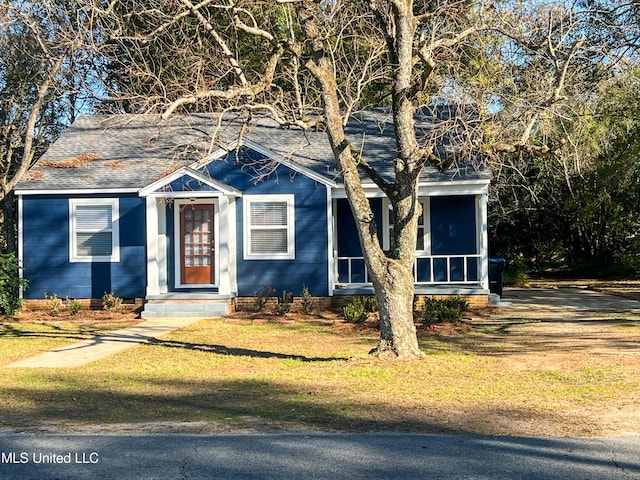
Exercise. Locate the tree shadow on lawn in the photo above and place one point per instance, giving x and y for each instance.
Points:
(82, 332)
(238, 352)
(250, 404)
(87, 333)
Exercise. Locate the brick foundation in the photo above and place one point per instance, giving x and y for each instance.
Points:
(245, 304)
(85, 303)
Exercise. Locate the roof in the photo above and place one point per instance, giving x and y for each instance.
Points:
(130, 152)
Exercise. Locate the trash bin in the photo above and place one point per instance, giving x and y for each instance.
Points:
(496, 267)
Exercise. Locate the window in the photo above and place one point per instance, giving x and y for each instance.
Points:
(388, 221)
(269, 227)
(453, 225)
(93, 230)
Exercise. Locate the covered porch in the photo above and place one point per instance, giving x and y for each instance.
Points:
(451, 248)
(191, 238)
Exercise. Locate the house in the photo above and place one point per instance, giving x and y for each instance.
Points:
(196, 213)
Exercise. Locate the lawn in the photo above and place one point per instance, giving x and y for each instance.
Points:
(221, 376)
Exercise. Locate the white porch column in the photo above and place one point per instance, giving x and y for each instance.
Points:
(163, 266)
(332, 242)
(153, 251)
(224, 256)
(483, 239)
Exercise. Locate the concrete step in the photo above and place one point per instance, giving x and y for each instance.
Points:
(185, 309)
(496, 301)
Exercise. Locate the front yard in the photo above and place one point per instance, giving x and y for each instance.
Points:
(514, 378)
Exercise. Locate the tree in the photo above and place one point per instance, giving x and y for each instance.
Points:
(312, 63)
(44, 67)
(578, 210)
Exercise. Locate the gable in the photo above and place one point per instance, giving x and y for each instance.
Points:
(184, 182)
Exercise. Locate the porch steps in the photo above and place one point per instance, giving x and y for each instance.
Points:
(185, 306)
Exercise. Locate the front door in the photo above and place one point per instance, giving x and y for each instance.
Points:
(197, 246)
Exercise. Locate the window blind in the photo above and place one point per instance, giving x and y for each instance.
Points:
(269, 227)
(94, 227)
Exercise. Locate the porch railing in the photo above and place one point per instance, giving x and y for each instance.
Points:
(427, 269)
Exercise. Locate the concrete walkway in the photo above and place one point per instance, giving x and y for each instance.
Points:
(102, 346)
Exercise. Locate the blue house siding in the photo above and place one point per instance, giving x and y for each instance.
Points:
(348, 244)
(46, 256)
(311, 250)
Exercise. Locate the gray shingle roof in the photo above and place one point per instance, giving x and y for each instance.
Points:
(132, 151)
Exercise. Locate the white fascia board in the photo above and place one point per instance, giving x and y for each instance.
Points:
(465, 187)
(189, 194)
(78, 191)
(425, 189)
(150, 190)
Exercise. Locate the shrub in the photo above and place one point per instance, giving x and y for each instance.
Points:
(111, 303)
(308, 305)
(74, 306)
(430, 309)
(515, 274)
(262, 298)
(55, 305)
(356, 310)
(444, 310)
(283, 303)
(370, 304)
(10, 283)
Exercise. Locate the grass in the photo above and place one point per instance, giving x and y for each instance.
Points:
(20, 340)
(319, 377)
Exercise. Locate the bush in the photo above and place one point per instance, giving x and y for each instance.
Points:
(262, 298)
(308, 305)
(357, 309)
(10, 283)
(55, 304)
(283, 303)
(370, 304)
(354, 311)
(444, 310)
(430, 309)
(74, 306)
(111, 303)
(515, 274)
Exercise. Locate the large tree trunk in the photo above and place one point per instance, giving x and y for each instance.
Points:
(391, 272)
(395, 300)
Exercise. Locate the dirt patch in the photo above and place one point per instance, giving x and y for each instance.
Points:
(94, 316)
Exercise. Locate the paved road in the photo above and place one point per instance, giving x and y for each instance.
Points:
(318, 456)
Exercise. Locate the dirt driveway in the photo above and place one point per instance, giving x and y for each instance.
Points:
(565, 330)
(548, 302)
(545, 323)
